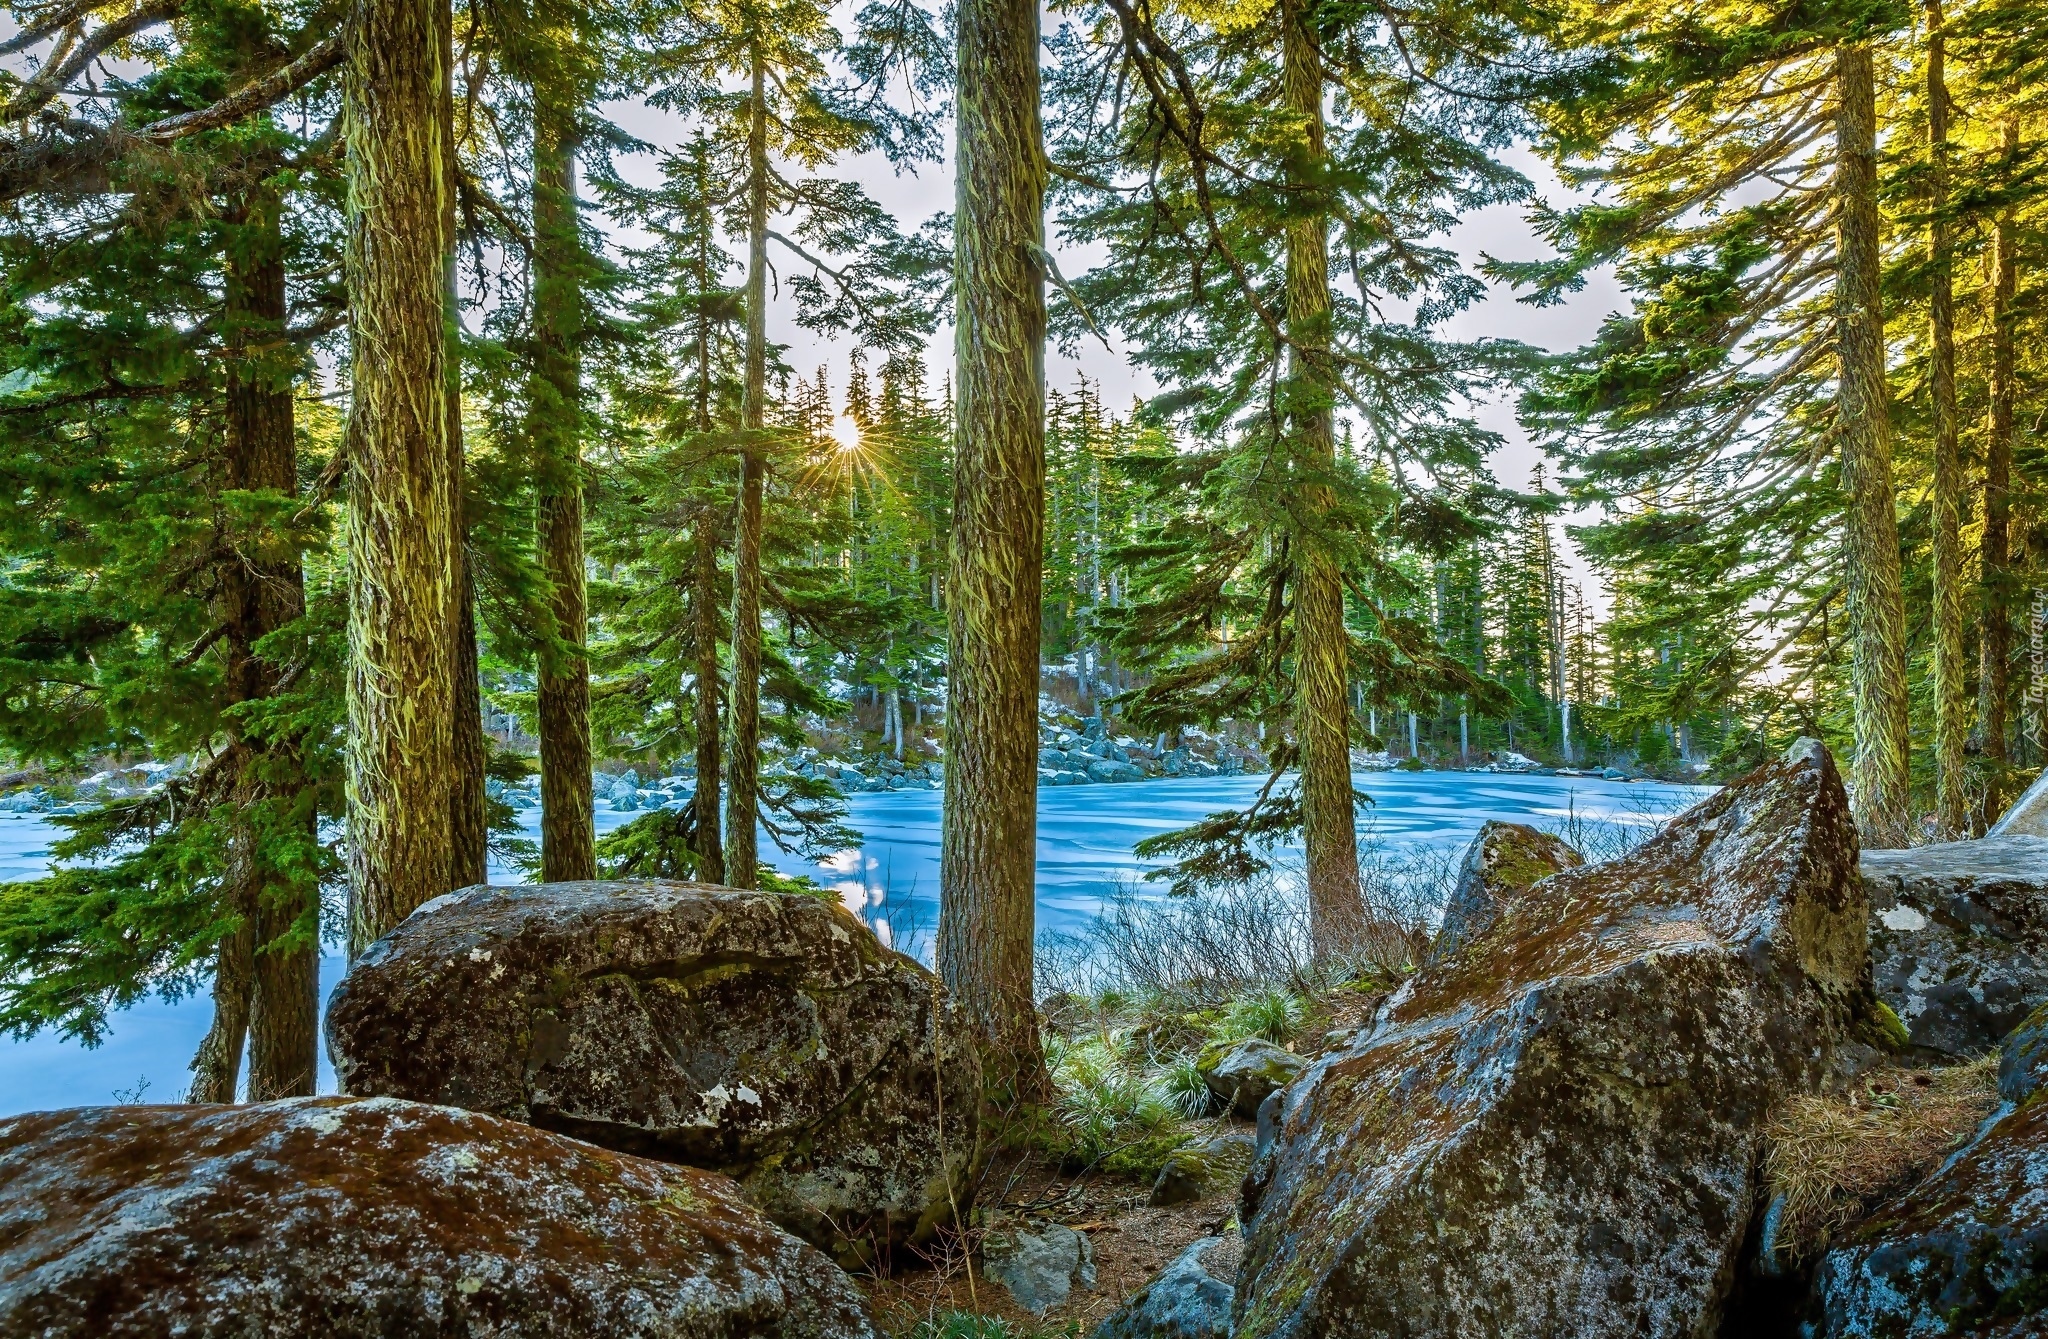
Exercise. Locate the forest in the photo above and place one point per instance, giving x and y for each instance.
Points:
(392, 419)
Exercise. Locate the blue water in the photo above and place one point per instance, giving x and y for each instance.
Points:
(1085, 835)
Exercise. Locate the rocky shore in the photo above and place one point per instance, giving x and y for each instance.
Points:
(1671, 1094)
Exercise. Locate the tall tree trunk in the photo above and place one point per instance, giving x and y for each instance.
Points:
(262, 590)
(469, 827)
(704, 608)
(989, 838)
(1994, 675)
(1321, 644)
(1870, 531)
(401, 533)
(1951, 711)
(568, 823)
(218, 1064)
(743, 762)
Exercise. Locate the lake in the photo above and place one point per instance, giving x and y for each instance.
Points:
(1085, 836)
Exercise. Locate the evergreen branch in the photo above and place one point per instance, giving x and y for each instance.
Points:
(58, 20)
(253, 96)
(38, 92)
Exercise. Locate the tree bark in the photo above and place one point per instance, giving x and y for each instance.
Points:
(743, 761)
(1951, 710)
(262, 590)
(568, 823)
(988, 843)
(469, 826)
(1870, 532)
(401, 532)
(1321, 644)
(704, 609)
(217, 1066)
(1994, 675)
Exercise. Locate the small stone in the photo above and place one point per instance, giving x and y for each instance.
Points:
(1191, 1173)
(1040, 1268)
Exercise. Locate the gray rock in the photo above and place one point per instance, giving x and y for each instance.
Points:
(1959, 938)
(1559, 1130)
(2028, 816)
(1040, 1267)
(342, 1217)
(1502, 862)
(1109, 769)
(770, 1037)
(1963, 1252)
(1245, 1073)
(1199, 1170)
(1183, 1301)
(2023, 1060)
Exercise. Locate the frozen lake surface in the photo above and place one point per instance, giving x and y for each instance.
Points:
(1085, 835)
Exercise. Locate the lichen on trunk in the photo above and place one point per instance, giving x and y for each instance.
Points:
(988, 845)
(1882, 782)
(400, 534)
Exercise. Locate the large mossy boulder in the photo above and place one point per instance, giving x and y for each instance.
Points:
(1558, 1130)
(1959, 939)
(767, 1036)
(1963, 1252)
(321, 1217)
(1502, 862)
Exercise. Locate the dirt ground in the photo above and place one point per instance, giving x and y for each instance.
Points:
(1131, 1243)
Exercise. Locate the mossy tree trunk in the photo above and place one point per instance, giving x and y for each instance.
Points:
(1321, 644)
(988, 846)
(401, 531)
(743, 758)
(1870, 531)
(568, 825)
(1951, 708)
(1994, 671)
(469, 849)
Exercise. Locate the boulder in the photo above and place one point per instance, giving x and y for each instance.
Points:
(1963, 1252)
(1040, 1266)
(1959, 938)
(2028, 816)
(1503, 860)
(763, 1035)
(342, 1216)
(1244, 1073)
(1559, 1130)
(2023, 1060)
(1185, 1300)
(1190, 1173)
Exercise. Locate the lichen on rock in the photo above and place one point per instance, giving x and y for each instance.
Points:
(1959, 939)
(1557, 1130)
(317, 1217)
(1963, 1252)
(767, 1036)
(1503, 861)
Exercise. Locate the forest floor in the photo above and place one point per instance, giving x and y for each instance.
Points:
(1131, 1242)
